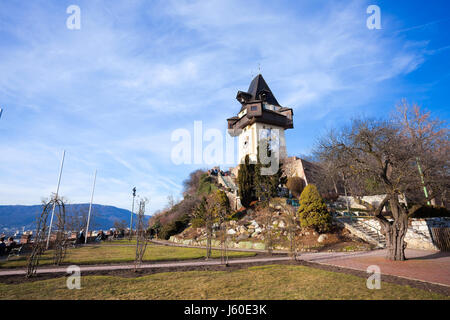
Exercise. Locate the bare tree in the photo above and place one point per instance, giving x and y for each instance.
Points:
(265, 217)
(289, 216)
(220, 205)
(212, 210)
(120, 226)
(329, 178)
(430, 137)
(170, 201)
(77, 218)
(141, 239)
(203, 216)
(378, 153)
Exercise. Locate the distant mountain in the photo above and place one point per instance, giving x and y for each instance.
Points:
(16, 217)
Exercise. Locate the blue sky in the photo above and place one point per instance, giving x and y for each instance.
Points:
(112, 93)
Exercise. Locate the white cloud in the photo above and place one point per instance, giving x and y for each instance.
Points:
(112, 92)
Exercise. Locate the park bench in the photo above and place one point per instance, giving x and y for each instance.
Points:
(73, 243)
(15, 252)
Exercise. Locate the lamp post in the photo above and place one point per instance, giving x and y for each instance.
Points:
(131, 216)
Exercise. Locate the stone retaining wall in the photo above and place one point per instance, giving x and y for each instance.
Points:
(419, 231)
(216, 243)
(373, 200)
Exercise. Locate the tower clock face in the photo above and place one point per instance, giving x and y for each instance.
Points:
(245, 145)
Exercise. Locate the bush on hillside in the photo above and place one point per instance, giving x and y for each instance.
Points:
(175, 218)
(330, 196)
(206, 185)
(174, 227)
(200, 214)
(295, 185)
(191, 184)
(313, 211)
(239, 214)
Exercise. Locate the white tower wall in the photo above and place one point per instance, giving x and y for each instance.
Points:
(251, 135)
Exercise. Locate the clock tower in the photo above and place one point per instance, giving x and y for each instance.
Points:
(260, 117)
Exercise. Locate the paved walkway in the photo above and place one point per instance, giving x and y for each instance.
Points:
(428, 266)
(422, 265)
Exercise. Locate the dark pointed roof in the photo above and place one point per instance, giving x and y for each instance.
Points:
(259, 87)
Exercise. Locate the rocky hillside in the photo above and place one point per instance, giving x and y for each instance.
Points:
(251, 231)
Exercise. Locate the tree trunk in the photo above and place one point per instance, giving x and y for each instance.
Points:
(208, 247)
(394, 231)
(208, 241)
(223, 240)
(335, 187)
(395, 235)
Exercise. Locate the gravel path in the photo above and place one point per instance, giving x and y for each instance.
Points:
(421, 265)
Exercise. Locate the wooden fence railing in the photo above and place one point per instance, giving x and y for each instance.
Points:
(441, 238)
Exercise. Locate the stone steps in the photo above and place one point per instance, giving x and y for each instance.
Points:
(230, 183)
(371, 233)
(365, 232)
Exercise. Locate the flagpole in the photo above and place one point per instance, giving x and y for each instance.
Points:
(56, 198)
(90, 208)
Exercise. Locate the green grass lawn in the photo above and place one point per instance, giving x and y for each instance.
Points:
(265, 282)
(107, 254)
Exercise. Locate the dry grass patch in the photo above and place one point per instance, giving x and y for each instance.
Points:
(107, 254)
(264, 282)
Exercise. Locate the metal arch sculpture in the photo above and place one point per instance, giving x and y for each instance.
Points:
(61, 238)
(39, 244)
(39, 241)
